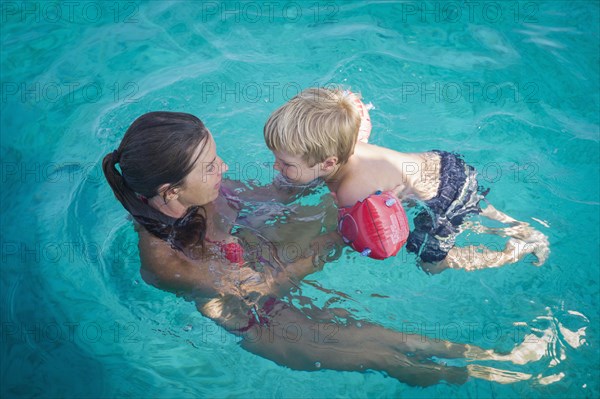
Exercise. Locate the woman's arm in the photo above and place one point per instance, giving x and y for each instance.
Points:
(170, 270)
(210, 276)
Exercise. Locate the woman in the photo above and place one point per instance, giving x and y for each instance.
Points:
(170, 181)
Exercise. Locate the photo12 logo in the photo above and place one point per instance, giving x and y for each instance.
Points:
(469, 11)
(69, 92)
(469, 91)
(50, 172)
(69, 11)
(75, 253)
(269, 11)
(73, 332)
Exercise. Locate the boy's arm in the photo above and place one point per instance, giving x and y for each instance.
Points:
(350, 194)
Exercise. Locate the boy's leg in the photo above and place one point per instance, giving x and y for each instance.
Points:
(481, 257)
(523, 237)
(523, 240)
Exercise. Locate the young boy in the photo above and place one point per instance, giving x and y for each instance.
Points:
(314, 135)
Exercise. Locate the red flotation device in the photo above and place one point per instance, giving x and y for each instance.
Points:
(376, 227)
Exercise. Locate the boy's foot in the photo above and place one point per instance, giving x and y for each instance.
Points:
(494, 214)
(527, 240)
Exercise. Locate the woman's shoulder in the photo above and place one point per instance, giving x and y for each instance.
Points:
(168, 268)
(155, 254)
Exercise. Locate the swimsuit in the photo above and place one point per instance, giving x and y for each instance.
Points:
(437, 226)
(233, 252)
(260, 315)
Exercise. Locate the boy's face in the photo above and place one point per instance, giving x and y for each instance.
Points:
(295, 169)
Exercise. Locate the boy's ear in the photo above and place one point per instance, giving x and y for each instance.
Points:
(329, 163)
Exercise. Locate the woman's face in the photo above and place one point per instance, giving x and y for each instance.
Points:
(201, 185)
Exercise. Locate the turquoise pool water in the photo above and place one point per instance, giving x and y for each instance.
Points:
(514, 86)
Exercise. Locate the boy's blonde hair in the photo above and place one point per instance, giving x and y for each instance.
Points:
(315, 124)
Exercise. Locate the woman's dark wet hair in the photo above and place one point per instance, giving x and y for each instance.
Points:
(157, 149)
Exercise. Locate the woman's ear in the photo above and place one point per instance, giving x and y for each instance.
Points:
(168, 192)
